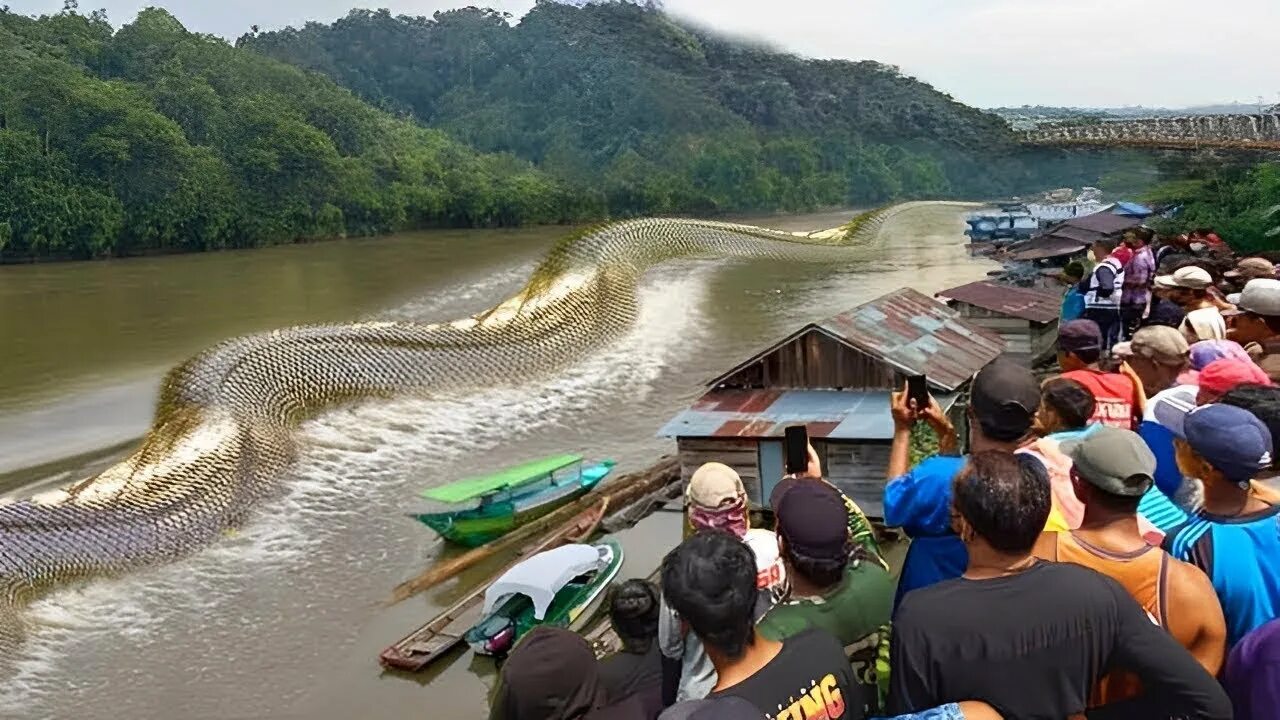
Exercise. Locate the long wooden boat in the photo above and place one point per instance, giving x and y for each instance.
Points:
(510, 498)
(442, 633)
(557, 588)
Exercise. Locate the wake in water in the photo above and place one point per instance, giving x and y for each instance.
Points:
(225, 427)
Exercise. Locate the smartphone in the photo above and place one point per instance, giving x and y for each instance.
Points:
(797, 449)
(918, 390)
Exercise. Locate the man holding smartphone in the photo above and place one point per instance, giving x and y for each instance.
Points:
(1003, 401)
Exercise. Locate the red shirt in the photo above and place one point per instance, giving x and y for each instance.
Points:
(1114, 395)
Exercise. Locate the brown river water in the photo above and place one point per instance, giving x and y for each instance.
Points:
(285, 617)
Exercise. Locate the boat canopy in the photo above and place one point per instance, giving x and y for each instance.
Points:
(543, 575)
(472, 488)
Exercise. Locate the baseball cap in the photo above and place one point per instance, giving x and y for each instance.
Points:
(812, 517)
(1114, 460)
(1169, 408)
(1260, 297)
(1222, 376)
(1004, 397)
(1231, 439)
(1161, 344)
(1252, 267)
(1205, 352)
(714, 485)
(1190, 277)
(1078, 335)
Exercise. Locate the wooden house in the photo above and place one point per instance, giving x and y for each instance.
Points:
(1026, 318)
(834, 377)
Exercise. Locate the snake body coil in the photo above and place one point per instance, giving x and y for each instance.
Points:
(224, 425)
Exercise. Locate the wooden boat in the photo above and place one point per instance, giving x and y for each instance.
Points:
(510, 498)
(559, 588)
(442, 633)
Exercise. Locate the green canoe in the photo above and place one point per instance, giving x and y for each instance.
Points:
(507, 499)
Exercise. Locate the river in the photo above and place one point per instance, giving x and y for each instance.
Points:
(284, 618)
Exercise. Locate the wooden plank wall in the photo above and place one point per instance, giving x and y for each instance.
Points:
(741, 454)
(1025, 341)
(858, 469)
(814, 360)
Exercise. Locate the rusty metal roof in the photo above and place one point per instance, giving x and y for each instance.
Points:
(917, 335)
(1103, 222)
(1045, 246)
(829, 414)
(1035, 305)
(909, 331)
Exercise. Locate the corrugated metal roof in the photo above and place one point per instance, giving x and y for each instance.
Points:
(1047, 246)
(1025, 303)
(832, 414)
(917, 335)
(1105, 223)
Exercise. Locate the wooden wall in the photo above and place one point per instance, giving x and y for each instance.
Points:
(814, 360)
(738, 453)
(856, 467)
(1025, 341)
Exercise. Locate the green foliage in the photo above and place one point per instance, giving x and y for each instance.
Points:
(153, 138)
(1239, 202)
(649, 116)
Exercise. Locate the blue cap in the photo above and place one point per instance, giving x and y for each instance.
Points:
(1231, 439)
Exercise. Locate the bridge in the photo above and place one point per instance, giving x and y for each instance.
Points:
(1242, 132)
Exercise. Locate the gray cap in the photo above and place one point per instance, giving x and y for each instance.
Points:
(1260, 297)
(1113, 460)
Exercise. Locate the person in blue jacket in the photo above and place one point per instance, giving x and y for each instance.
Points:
(1073, 300)
(1003, 401)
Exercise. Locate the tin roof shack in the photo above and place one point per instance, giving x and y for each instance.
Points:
(834, 377)
(1027, 319)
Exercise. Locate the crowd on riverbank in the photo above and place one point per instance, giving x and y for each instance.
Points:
(1107, 545)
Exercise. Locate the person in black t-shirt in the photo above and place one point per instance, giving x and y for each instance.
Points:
(1028, 637)
(710, 581)
(636, 670)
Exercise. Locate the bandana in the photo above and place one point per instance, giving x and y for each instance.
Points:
(730, 518)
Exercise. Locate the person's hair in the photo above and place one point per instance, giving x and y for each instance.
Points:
(1074, 269)
(633, 613)
(822, 572)
(1173, 262)
(1088, 356)
(1203, 231)
(1070, 400)
(1005, 499)
(1107, 244)
(1261, 400)
(1119, 504)
(710, 581)
(1146, 235)
(1271, 256)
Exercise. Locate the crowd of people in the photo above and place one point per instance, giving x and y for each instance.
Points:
(1101, 542)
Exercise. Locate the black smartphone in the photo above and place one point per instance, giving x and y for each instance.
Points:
(918, 390)
(797, 449)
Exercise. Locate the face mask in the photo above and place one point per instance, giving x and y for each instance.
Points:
(731, 519)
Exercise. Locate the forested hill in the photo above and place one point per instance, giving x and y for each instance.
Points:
(153, 138)
(666, 118)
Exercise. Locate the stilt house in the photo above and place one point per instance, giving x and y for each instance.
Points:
(834, 377)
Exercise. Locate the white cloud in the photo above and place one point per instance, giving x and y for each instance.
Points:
(984, 52)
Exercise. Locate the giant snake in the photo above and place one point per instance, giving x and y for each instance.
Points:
(224, 429)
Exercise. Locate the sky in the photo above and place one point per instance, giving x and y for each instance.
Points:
(987, 53)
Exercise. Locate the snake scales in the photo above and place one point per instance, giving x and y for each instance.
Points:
(224, 425)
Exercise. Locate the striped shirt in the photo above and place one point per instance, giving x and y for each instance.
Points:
(1241, 556)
